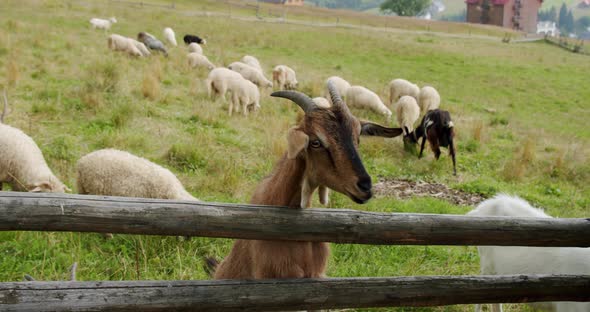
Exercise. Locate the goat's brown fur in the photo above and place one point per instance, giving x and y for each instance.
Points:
(322, 153)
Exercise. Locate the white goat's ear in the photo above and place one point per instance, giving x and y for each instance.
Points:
(324, 193)
(297, 141)
(40, 187)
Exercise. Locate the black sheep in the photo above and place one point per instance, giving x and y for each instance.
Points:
(188, 39)
(437, 127)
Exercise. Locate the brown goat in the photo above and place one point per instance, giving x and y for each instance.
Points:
(322, 153)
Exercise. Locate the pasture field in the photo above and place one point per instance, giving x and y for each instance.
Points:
(520, 112)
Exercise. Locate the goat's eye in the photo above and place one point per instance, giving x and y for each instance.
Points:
(316, 144)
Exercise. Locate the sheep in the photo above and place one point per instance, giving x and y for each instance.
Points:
(192, 38)
(141, 47)
(244, 94)
(119, 43)
(113, 172)
(361, 97)
(197, 59)
(250, 73)
(428, 99)
(99, 23)
(340, 84)
(322, 102)
(285, 77)
(407, 112)
(195, 48)
(22, 164)
(151, 42)
(438, 128)
(219, 80)
(401, 87)
(252, 61)
(502, 260)
(303, 168)
(169, 36)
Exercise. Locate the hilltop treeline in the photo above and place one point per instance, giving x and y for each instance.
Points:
(359, 5)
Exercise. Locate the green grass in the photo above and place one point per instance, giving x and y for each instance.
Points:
(73, 96)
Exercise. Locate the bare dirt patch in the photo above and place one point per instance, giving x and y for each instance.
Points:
(403, 189)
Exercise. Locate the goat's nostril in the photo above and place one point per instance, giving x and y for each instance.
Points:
(364, 185)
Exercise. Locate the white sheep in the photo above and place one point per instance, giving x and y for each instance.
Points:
(119, 43)
(141, 47)
(244, 94)
(250, 73)
(285, 77)
(428, 99)
(501, 260)
(169, 36)
(113, 172)
(401, 87)
(199, 60)
(195, 48)
(322, 102)
(361, 97)
(252, 61)
(22, 164)
(340, 84)
(407, 111)
(99, 23)
(219, 81)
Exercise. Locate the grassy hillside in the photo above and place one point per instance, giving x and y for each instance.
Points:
(520, 112)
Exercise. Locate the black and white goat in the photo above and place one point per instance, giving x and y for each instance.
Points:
(438, 128)
(188, 39)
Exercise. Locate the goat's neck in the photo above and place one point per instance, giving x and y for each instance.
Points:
(283, 186)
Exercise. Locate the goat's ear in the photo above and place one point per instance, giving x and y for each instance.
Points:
(371, 129)
(297, 141)
(40, 187)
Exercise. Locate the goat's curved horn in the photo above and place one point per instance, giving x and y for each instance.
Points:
(304, 101)
(336, 98)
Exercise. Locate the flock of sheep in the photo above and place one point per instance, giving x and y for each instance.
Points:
(119, 173)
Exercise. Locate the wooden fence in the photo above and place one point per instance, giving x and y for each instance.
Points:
(61, 212)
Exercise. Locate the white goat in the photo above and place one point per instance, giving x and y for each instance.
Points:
(502, 260)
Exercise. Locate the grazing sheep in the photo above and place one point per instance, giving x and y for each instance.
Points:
(199, 60)
(169, 36)
(22, 164)
(502, 260)
(151, 42)
(192, 38)
(141, 47)
(119, 43)
(99, 23)
(252, 61)
(118, 173)
(340, 84)
(305, 167)
(244, 94)
(428, 99)
(285, 77)
(250, 73)
(438, 128)
(195, 48)
(361, 97)
(322, 102)
(219, 81)
(407, 112)
(401, 87)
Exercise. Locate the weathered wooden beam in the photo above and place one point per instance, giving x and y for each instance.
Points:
(61, 212)
(272, 295)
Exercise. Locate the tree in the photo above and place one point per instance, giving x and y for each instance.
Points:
(553, 14)
(582, 24)
(569, 22)
(562, 16)
(405, 7)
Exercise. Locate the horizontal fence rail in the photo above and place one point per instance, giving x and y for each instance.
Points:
(81, 213)
(273, 295)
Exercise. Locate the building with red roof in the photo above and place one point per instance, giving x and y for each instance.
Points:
(515, 14)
